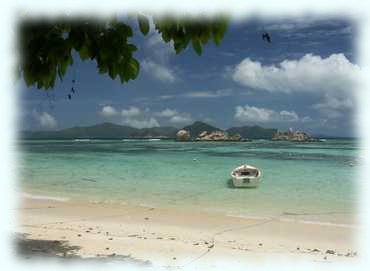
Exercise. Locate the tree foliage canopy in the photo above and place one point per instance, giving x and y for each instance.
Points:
(46, 47)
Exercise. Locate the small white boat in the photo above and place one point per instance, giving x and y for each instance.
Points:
(246, 176)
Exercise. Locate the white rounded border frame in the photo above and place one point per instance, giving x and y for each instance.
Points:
(356, 10)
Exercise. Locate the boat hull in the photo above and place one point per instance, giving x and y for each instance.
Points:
(246, 176)
(246, 181)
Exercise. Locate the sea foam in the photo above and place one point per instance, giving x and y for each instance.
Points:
(43, 197)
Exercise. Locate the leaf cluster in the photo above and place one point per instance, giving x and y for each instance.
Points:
(46, 47)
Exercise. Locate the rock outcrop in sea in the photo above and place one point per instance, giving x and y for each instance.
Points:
(183, 135)
(217, 136)
(291, 135)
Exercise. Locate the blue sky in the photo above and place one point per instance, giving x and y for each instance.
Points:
(304, 79)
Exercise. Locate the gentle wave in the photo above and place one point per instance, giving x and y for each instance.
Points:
(278, 218)
(321, 223)
(140, 140)
(147, 205)
(81, 140)
(43, 197)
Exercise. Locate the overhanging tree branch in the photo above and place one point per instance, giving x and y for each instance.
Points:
(46, 47)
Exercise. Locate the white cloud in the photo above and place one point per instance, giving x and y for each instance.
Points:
(179, 119)
(167, 113)
(208, 94)
(108, 111)
(138, 118)
(131, 116)
(141, 123)
(158, 71)
(287, 115)
(300, 26)
(157, 56)
(307, 119)
(334, 103)
(332, 80)
(132, 111)
(154, 39)
(334, 107)
(308, 74)
(199, 94)
(174, 116)
(166, 97)
(159, 49)
(45, 120)
(259, 114)
(290, 25)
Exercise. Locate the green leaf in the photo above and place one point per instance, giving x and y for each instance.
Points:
(205, 36)
(143, 24)
(84, 52)
(166, 37)
(217, 37)
(179, 47)
(197, 47)
(135, 67)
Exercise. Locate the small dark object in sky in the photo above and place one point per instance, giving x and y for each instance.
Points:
(69, 96)
(266, 37)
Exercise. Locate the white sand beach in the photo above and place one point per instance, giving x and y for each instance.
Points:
(168, 237)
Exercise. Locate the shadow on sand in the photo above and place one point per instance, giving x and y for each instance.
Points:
(54, 249)
(28, 248)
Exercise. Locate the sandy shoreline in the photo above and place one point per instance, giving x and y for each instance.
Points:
(168, 237)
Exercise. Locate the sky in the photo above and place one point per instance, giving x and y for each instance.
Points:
(305, 79)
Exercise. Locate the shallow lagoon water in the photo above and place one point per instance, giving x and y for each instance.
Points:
(298, 178)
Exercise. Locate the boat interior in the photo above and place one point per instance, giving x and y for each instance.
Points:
(251, 172)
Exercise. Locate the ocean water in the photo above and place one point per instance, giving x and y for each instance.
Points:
(317, 178)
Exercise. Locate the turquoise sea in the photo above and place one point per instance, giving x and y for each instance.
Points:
(298, 178)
